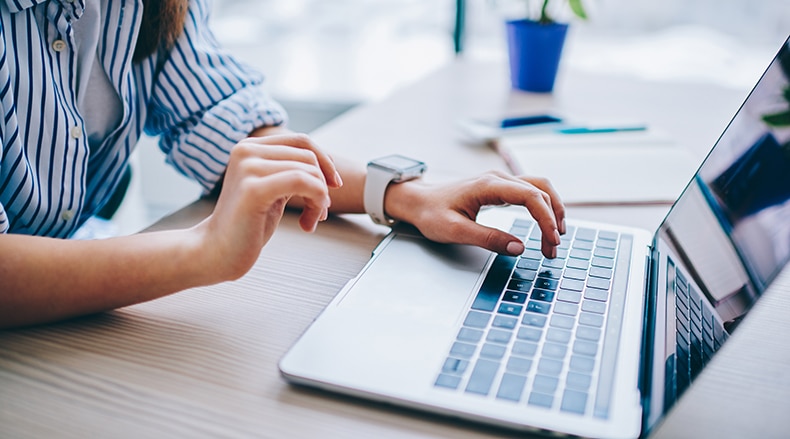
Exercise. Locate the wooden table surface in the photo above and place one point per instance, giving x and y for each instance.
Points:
(203, 362)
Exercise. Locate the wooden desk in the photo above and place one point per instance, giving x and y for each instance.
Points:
(203, 363)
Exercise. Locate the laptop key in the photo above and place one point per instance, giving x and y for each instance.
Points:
(554, 350)
(528, 264)
(578, 381)
(518, 365)
(463, 350)
(541, 400)
(524, 348)
(538, 307)
(573, 401)
(511, 387)
(482, 377)
(494, 283)
(532, 319)
(520, 285)
(505, 322)
(585, 348)
(597, 282)
(477, 319)
(455, 366)
(542, 295)
(558, 335)
(492, 351)
(514, 296)
(560, 321)
(448, 381)
(593, 306)
(590, 319)
(570, 309)
(510, 309)
(580, 264)
(500, 336)
(582, 364)
(545, 384)
(596, 294)
(531, 334)
(550, 367)
(569, 296)
(546, 283)
(470, 335)
(602, 262)
(588, 333)
(586, 234)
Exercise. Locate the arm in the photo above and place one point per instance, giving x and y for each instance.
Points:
(46, 279)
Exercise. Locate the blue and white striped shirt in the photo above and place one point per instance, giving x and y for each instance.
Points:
(198, 98)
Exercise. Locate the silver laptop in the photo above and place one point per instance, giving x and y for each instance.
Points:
(598, 342)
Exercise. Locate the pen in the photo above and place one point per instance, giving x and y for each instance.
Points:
(588, 130)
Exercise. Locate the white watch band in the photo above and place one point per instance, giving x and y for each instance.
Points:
(376, 184)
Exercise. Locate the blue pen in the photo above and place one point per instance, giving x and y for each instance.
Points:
(586, 130)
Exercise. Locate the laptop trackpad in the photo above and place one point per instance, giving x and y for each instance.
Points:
(413, 279)
(390, 332)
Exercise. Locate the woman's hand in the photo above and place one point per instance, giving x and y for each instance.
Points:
(263, 174)
(447, 212)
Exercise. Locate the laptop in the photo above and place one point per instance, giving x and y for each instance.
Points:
(598, 342)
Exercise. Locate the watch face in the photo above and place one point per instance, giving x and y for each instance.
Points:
(397, 162)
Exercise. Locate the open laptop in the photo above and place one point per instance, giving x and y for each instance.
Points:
(598, 342)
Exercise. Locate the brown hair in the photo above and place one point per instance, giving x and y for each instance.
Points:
(163, 21)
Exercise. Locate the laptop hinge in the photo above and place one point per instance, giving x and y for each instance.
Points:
(648, 339)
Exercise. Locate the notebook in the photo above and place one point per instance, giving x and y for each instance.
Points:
(607, 163)
(598, 342)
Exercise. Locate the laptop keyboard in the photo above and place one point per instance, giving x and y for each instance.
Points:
(698, 334)
(544, 332)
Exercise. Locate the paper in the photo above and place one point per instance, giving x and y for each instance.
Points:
(603, 168)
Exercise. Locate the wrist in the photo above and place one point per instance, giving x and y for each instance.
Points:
(402, 201)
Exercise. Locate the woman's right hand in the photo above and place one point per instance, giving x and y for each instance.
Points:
(263, 175)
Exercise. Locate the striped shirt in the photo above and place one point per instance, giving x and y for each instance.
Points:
(199, 99)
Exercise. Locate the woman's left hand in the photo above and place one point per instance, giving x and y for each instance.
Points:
(447, 212)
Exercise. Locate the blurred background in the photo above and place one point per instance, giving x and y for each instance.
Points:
(322, 58)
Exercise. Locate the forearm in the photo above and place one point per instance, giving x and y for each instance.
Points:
(45, 279)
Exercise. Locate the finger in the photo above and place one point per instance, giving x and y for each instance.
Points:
(262, 167)
(304, 142)
(469, 232)
(556, 202)
(498, 189)
(292, 183)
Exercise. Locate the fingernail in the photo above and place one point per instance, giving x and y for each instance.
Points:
(338, 179)
(557, 239)
(515, 247)
(564, 229)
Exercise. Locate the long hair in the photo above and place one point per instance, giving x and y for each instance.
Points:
(163, 21)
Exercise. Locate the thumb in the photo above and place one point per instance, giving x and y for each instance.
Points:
(490, 238)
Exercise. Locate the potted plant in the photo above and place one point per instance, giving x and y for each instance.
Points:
(535, 41)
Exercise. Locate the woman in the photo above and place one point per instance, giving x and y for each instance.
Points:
(80, 80)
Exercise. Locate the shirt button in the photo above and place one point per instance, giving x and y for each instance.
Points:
(76, 132)
(58, 45)
(67, 215)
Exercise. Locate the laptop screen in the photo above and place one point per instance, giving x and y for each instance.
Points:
(725, 239)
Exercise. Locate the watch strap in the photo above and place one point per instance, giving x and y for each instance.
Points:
(376, 184)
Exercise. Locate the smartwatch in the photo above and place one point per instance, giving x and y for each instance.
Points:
(382, 172)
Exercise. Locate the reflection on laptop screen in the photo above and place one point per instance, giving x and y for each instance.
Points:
(728, 235)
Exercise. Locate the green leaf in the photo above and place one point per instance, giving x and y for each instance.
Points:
(577, 8)
(778, 119)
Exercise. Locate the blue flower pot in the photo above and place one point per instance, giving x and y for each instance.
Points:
(534, 51)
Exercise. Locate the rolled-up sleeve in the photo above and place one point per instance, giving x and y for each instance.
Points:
(204, 101)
